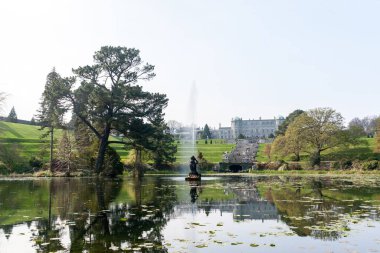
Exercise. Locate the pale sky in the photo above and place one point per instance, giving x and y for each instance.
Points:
(247, 58)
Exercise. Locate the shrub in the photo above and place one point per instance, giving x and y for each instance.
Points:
(369, 165)
(315, 159)
(294, 166)
(112, 164)
(3, 169)
(43, 173)
(341, 164)
(365, 165)
(261, 166)
(34, 162)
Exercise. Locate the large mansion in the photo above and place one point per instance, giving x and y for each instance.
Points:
(248, 128)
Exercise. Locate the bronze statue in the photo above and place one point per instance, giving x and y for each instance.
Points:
(193, 175)
(193, 165)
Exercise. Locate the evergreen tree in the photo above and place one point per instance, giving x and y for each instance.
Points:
(52, 107)
(12, 117)
(33, 121)
(65, 152)
(108, 98)
(163, 148)
(206, 134)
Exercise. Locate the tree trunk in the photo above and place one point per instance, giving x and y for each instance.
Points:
(51, 147)
(315, 158)
(138, 171)
(297, 159)
(102, 150)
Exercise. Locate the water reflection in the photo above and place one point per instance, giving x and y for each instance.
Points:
(161, 214)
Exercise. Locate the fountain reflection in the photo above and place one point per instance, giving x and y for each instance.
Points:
(94, 215)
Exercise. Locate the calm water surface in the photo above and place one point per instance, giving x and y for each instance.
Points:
(167, 214)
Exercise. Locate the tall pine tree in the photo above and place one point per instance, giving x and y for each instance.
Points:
(12, 117)
(108, 98)
(52, 107)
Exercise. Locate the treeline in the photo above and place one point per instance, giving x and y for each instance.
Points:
(317, 130)
(31, 122)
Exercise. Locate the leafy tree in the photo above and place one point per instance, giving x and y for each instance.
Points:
(356, 127)
(152, 137)
(278, 148)
(85, 143)
(377, 145)
(206, 134)
(267, 150)
(363, 127)
(289, 119)
(294, 141)
(369, 124)
(241, 136)
(12, 116)
(108, 97)
(174, 126)
(318, 130)
(202, 162)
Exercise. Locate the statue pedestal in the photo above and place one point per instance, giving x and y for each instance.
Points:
(193, 177)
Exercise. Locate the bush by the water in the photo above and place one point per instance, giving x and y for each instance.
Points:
(34, 162)
(112, 164)
(3, 169)
(365, 165)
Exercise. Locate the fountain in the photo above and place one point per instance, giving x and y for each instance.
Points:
(188, 139)
(193, 175)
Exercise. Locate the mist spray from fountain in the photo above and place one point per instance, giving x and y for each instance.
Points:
(188, 141)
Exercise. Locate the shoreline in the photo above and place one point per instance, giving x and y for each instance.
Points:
(210, 174)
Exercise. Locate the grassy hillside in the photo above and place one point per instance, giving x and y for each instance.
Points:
(211, 152)
(362, 151)
(26, 140)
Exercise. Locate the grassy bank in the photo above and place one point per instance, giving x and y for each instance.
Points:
(27, 142)
(212, 152)
(361, 152)
(23, 141)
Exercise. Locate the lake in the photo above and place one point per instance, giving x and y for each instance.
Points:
(168, 214)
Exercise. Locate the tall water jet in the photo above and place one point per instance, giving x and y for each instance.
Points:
(192, 113)
(188, 138)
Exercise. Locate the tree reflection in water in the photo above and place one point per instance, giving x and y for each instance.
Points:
(78, 214)
(95, 215)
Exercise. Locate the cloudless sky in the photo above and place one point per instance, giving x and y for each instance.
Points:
(245, 58)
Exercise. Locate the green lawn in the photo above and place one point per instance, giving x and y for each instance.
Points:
(211, 152)
(26, 140)
(362, 151)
